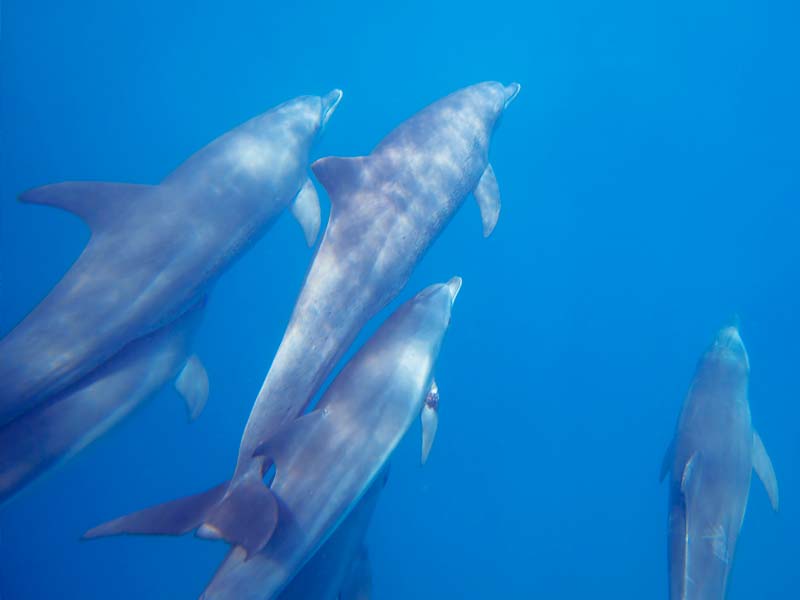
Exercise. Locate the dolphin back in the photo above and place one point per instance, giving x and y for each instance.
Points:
(65, 337)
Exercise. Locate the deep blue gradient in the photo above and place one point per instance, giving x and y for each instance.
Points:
(650, 174)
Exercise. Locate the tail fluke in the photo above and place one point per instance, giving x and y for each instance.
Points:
(246, 516)
(171, 518)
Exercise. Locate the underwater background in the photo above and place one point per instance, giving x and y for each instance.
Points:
(650, 176)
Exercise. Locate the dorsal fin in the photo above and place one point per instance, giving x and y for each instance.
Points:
(92, 201)
(339, 176)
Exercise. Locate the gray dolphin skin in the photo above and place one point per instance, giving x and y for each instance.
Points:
(326, 460)
(156, 249)
(54, 431)
(386, 210)
(711, 458)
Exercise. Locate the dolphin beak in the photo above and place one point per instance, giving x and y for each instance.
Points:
(329, 103)
(454, 286)
(511, 91)
(730, 336)
(730, 339)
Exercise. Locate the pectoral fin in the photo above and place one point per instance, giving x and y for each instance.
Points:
(430, 420)
(487, 193)
(305, 209)
(192, 384)
(763, 468)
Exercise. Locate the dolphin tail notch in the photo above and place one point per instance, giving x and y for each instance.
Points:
(96, 202)
(244, 515)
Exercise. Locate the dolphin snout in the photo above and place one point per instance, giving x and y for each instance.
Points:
(454, 286)
(329, 103)
(730, 340)
(730, 337)
(511, 91)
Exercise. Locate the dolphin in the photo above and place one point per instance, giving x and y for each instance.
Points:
(358, 585)
(53, 431)
(711, 458)
(386, 210)
(156, 249)
(326, 460)
(340, 569)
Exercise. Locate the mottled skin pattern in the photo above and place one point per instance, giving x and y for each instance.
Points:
(710, 472)
(155, 250)
(54, 431)
(386, 210)
(328, 459)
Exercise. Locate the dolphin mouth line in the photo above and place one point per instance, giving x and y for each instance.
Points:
(454, 286)
(329, 103)
(512, 90)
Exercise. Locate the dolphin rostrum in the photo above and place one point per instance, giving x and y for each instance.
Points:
(711, 459)
(53, 431)
(326, 460)
(386, 210)
(156, 249)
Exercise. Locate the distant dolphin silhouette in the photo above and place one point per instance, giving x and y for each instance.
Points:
(155, 250)
(340, 569)
(326, 460)
(711, 459)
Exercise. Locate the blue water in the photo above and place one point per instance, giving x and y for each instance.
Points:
(650, 173)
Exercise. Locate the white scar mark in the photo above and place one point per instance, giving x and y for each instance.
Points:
(719, 542)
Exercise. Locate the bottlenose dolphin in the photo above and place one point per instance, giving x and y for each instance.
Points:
(326, 460)
(711, 458)
(156, 249)
(340, 569)
(386, 210)
(53, 431)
